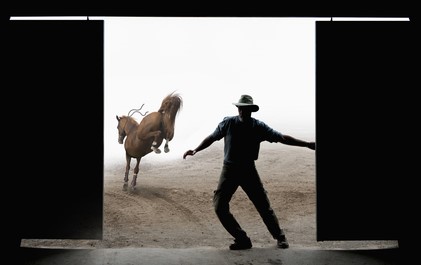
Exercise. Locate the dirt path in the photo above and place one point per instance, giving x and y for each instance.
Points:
(171, 206)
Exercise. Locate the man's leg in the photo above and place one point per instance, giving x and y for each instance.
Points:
(222, 196)
(254, 189)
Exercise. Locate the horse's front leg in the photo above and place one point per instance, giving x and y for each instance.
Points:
(126, 173)
(135, 172)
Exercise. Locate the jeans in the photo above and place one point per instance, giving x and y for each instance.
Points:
(246, 177)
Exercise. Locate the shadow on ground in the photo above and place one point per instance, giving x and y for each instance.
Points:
(208, 256)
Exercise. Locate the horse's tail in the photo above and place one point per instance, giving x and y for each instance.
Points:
(170, 107)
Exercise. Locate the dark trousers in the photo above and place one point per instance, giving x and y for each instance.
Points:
(246, 177)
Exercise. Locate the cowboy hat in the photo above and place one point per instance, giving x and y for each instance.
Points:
(246, 101)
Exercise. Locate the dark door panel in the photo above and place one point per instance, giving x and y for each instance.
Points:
(53, 105)
(366, 116)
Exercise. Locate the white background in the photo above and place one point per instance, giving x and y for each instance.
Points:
(210, 62)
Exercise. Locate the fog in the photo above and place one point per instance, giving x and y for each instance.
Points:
(210, 62)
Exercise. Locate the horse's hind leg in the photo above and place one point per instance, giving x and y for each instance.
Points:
(126, 173)
(157, 141)
(135, 172)
(166, 148)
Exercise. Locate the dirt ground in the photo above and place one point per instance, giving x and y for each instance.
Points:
(171, 206)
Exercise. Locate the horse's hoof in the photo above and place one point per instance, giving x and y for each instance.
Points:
(125, 187)
(166, 150)
(156, 150)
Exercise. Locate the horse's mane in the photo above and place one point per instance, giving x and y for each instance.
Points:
(171, 105)
(130, 119)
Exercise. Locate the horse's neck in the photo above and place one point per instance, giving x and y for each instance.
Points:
(131, 126)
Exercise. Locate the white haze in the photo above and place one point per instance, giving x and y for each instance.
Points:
(210, 62)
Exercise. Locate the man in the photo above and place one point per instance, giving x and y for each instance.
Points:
(242, 137)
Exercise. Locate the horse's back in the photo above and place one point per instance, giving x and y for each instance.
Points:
(151, 121)
(150, 131)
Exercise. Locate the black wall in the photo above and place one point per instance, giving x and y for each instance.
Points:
(53, 129)
(366, 119)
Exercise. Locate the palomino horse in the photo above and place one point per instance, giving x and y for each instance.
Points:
(148, 135)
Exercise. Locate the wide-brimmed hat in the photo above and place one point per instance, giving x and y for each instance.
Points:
(247, 101)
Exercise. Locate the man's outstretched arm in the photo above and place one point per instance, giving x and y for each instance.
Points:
(203, 145)
(289, 140)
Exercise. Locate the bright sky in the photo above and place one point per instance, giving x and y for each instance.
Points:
(211, 62)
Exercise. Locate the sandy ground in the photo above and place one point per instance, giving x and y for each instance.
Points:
(171, 206)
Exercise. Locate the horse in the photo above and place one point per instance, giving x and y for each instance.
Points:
(142, 138)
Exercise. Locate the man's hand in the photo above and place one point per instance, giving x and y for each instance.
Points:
(189, 153)
(312, 145)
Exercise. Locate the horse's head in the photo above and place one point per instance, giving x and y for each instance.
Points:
(122, 122)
